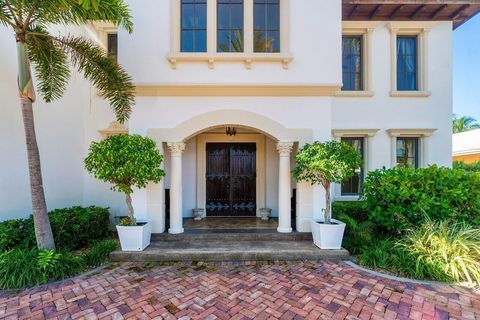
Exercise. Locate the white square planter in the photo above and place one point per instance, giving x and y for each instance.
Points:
(328, 236)
(135, 238)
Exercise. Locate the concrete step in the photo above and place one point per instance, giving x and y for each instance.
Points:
(229, 235)
(221, 250)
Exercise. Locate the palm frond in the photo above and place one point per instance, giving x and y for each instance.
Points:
(50, 63)
(82, 11)
(105, 74)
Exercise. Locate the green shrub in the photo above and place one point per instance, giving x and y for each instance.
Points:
(400, 198)
(98, 252)
(443, 251)
(469, 167)
(21, 268)
(381, 255)
(357, 234)
(73, 228)
(354, 209)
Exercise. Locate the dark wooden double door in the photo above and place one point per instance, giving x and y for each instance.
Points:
(231, 180)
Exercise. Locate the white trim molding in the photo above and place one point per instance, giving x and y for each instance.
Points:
(102, 28)
(339, 133)
(422, 134)
(203, 139)
(420, 29)
(211, 57)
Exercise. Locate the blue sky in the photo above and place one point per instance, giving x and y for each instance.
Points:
(466, 69)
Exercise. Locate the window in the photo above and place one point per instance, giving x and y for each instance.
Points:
(407, 60)
(352, 66)
(407, 152)
(112, 45)
(353, 186)
(230, 26)
(266, 19)
(194, 26)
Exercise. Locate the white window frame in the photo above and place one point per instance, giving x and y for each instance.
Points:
(365, 30)
(420, 29)
(423, 136)
(212, 57)
(367, 135)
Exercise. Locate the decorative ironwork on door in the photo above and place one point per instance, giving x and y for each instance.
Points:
(231, 179)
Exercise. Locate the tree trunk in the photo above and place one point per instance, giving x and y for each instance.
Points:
(327, 204)
(43, 230)
(128, 200)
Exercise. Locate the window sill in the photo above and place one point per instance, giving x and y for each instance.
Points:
(351, 94)
(347, 198)
(246, 58)
(410, 94)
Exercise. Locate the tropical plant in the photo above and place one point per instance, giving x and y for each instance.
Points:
(98, 252)
(443, 251)
(358, 234)
(50, 56)
(324, 163)
(464, 123)
(126, 161)
(20, 268)
(398, 199)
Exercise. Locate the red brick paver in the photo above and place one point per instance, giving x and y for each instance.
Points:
(244, 290)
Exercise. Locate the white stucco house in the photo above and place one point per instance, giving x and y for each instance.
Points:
(230, 89)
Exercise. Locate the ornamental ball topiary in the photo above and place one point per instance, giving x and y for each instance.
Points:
(126, 161)
(324, 163)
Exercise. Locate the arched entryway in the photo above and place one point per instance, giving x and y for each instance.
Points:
(242, 159)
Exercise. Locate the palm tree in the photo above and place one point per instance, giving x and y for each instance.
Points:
(465, 123)
(51, 57)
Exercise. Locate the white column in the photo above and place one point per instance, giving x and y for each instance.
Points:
(284, 187)
(176, 222)
(424, 147)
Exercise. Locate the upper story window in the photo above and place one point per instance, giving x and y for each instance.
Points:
(112, 45)
(352, 63)
(407, 63)
(266, 20)
(230, 26)
(407, 152)
(353, 186)
(194, 26)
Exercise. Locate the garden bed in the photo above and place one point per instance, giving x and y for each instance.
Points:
(82, 240)
(421, 224)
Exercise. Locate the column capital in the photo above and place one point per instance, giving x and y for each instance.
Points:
(284, 148)
(176, 148)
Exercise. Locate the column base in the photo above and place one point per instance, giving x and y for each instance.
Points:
(175, 231)
(284, 230)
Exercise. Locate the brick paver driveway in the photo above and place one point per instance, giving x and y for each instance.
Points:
(291, 290)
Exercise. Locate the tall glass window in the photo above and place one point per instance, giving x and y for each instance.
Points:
(352, 65)
(353, 186)
(230, 26)
(407, 63)
(407, 152)
(266, 25)
(194, 26)
(112, 45)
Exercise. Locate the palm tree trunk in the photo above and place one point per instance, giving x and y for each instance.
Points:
(43, 230)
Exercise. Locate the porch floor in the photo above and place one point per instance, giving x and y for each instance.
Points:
(246, 223)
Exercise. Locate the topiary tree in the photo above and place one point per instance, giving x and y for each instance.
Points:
(126, 161)
(324, 163)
